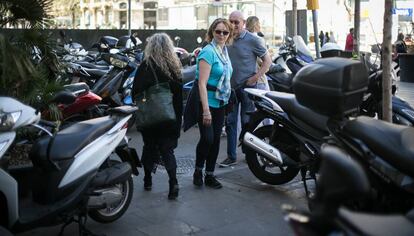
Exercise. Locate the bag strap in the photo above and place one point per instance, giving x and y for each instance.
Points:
(153, 72)
(209, 87)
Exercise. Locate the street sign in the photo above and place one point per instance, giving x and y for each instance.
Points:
(403, 11)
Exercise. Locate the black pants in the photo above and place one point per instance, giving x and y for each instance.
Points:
(155, 145)
(209, 145)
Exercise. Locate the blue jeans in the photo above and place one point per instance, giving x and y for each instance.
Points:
(232, 118)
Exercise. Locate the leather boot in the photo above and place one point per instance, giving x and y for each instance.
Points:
(147, 180)
(173, 193)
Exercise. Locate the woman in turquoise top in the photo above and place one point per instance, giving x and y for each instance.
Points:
(213, 74)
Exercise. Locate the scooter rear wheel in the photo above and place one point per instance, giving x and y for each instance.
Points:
(114, 212)
(266, 171)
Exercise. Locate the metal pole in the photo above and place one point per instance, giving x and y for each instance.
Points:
(315, 32)
(295, 17)
(357, 20)
(386, 62)
(129, 17)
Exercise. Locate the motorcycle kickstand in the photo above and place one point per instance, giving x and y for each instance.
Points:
(303, 173)
(62, 229)
(83, 231)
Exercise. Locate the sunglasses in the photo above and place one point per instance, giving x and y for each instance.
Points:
(222, 32)
(236, 22)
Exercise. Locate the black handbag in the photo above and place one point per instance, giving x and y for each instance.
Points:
(232, 102)
(155, 105)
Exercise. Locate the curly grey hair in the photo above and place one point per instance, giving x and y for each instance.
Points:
(160, 50)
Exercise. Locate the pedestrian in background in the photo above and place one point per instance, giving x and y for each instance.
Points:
(326, 38)
(321, 38)
(213, 73)
(253, 26)
(243, 52)
(349, 44)
(161, 140)
(332, 37)
(399, 47)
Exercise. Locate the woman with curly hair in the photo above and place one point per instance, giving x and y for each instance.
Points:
(162, 140)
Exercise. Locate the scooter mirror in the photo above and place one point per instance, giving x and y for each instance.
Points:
(199, 39)
(133, 39)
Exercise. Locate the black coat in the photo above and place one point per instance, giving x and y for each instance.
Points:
(144, 79)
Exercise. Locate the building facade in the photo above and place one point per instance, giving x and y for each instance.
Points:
(334, 16)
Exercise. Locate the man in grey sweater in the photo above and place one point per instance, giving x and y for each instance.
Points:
(244, 51)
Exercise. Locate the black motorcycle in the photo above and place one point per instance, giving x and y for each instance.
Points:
(294, 140)
(383, 149)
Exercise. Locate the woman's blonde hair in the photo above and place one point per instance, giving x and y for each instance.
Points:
(251, 23)
(210, 32)
(160, 50)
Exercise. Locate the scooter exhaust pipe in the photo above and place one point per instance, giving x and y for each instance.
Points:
(268, 151)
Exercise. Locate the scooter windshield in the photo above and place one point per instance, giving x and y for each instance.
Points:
(302, 49)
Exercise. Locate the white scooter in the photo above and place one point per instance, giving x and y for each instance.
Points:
(73, 173)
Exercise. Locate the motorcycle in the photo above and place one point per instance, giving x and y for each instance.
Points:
(382, 148)
(293, 142)
(73, 174)
(343, 180)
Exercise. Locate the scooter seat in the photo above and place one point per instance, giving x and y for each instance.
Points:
(393, 143)
(188, 74)
(92, 66)
(96, 73)
(379, 225)
(71, 140)
(282, 80)
(77, 89)
(288, 103)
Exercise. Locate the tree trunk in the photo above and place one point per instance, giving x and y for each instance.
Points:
(386, 63)
(295, 17)
(357, 20)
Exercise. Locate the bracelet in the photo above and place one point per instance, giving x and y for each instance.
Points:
(208, 114)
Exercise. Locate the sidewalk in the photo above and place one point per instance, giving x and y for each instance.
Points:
(244, 206)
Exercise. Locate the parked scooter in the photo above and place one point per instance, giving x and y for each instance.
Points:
(342, 181)
(73, 174)
(293, 55)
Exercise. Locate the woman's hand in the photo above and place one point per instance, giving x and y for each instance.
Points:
(207, 119)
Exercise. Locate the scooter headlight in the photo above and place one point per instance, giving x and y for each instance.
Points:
(7, 120)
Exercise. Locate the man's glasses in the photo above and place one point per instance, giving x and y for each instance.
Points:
(236, 22)
(222, 32)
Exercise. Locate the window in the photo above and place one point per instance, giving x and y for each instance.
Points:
(123, 5)
(163, 14)
(150, 5)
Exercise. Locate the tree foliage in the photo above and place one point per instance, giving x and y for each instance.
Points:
(31, 80)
